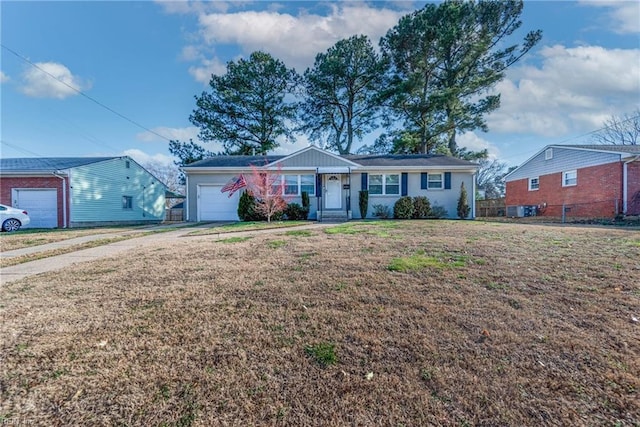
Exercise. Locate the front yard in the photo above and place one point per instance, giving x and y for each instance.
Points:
(365, 323)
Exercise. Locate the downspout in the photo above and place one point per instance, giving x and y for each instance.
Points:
(64, 199)
(473, 197)
(625, 183)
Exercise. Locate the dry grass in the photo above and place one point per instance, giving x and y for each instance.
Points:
(7, 262)
(27, 238)
(502, 325)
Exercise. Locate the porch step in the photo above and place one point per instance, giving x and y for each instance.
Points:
(333, 216)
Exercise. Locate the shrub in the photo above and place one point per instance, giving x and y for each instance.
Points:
(305, 203)
(364, 203)
(295, 212)
(463, 205)
(403, 208)
(247, 207)
(421, 207)
(438, 211)
(381, 211)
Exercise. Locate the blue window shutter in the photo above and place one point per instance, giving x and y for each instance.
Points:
(447, 180)
(365, 183)
(318, 185)
(404, 184)
(423, 181)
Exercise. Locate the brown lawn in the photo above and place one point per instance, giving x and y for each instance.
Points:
(387, 323)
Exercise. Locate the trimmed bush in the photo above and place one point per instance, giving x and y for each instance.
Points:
(438, 211)
(421, 207)
(381, 211)
(305, 203)
(295, 212)
(363, 199)
(463, 206)
(247, 207)
(403, 208)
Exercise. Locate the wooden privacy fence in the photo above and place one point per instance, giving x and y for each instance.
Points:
(490, 207)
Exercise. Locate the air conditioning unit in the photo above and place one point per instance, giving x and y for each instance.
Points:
(522, 211)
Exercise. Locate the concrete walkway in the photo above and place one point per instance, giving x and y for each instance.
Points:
(122, 248)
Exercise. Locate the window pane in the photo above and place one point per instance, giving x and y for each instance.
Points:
(570, 178)
(127, 202)
(291, 184)
(308, 184)
(434, 181)
(375, 184)
(393, 189)
(393, 179)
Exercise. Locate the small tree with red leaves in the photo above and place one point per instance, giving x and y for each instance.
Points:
(268, 189)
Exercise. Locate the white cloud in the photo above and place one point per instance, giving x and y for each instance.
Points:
(144, 158)
(570, 92)
(295, 39)
(623, 17)
(181, 134)
(285, 148)
(51, 80)
(207, 67)
(3, 77)
(473, 142)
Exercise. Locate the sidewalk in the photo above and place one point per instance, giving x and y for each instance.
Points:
(57, 262)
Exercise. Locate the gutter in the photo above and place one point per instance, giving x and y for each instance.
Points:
(64, 198)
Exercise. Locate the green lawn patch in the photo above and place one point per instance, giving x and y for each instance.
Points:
(247, 226)
(234, 239)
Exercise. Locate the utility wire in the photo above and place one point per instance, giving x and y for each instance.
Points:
(85, 95)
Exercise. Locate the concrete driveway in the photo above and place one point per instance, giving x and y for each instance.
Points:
(122, 248)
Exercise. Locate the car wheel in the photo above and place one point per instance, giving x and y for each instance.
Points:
(11, 224)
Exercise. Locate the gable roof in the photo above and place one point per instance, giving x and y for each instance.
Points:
(239, 161)
(427, 160)
(367, 160)
(632, 149)
(47, 164)
(625, 151)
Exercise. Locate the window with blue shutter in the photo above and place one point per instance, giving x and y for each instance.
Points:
(447, 180)
(423, 180)
(404, 183)
(364, 184)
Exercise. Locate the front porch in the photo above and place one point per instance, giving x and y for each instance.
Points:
(334, 194)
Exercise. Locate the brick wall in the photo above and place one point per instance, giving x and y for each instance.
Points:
(633, 188)
(7, 184)
(595, 195)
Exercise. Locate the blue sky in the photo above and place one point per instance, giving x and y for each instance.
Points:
(146, 60)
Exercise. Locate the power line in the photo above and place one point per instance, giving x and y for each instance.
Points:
(78, 91)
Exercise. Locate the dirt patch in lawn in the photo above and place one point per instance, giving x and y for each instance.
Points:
(390, 323)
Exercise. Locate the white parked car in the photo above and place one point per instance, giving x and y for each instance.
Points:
(12, 219)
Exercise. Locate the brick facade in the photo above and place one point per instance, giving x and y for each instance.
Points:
(598, 192)
(7, 184)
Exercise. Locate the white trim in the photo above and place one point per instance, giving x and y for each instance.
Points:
(537, 178)
(333, 169)
(625, 187)
(473, 197)
(564, 178)
(441, 181)
(186, 200)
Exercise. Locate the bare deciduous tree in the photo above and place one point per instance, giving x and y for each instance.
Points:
(268, 189)
(618, 130)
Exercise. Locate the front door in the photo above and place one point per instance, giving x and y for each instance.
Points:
(333, 192)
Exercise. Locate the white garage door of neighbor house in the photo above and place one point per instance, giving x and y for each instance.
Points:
(41, 204)
(214, 205)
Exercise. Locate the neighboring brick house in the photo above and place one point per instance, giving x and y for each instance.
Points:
(81, 191)
(586, 180)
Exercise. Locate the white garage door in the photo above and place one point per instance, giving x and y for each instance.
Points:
(214, 205)
(41, 204)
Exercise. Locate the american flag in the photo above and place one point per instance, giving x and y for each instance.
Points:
(234, 185)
